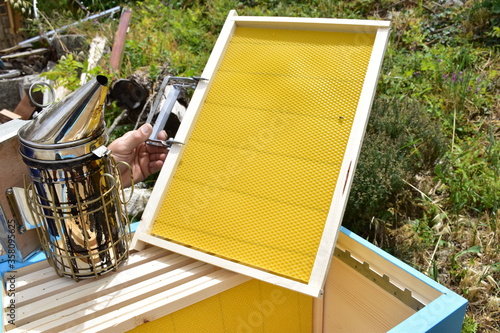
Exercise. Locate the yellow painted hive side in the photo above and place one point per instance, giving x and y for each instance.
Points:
(253, 306)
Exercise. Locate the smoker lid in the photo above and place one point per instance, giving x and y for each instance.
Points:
(76, 119)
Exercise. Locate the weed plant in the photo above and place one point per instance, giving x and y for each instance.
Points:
(402, 143)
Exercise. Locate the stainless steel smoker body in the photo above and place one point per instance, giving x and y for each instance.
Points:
(74, 195)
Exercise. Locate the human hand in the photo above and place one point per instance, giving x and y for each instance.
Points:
(143, 159)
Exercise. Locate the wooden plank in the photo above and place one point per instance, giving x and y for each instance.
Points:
(160, 305)
(355, 304)
(39, 273)
(151, 284)
(318, 315)
(119, 42)
(66, 295)
(316, 24)
(32, 268)
(77, 312)
(420, 289)
(137, 268)
(10, 23)
(6, 115)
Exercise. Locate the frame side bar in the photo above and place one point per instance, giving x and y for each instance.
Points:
(174, 156)
(340, 196)
(233, 266)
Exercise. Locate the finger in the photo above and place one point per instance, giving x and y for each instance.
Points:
(158, 156)
(156, 149)
(162, 135)
(155, 166)
(134, 138)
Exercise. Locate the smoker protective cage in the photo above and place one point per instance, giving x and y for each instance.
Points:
(88, 234)
(270, 140)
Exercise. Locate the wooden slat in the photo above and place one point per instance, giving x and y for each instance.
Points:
(35, 275)
(308, 23)
(32, 268)
(346, 175)
(66, 296)
(59, 288)
(420, 289)
(6, 115)
(80, 313)
(163, 303)
(120, 38)
(318, 315)
(150, 285)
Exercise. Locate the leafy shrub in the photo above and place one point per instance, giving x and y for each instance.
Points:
(483, 18)
(401, 142)
(67, 72)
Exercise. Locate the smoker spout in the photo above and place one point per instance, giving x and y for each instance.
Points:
(79, 116)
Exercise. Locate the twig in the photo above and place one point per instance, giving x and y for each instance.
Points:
(56, 35)
(116, 122)
(441, 234)
(427, 197)
(434, 252)
(454, 128)
(142, 112)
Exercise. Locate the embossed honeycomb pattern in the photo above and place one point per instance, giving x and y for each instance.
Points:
(256, 180)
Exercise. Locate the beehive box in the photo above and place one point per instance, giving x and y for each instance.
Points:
(160, 291)
(242, 232)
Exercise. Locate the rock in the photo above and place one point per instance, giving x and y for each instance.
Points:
(453, 3)
(70, 44)
(12, 90)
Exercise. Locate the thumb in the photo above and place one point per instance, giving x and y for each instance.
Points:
(138, 136)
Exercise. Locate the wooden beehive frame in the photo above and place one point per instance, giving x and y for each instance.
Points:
(315, 284)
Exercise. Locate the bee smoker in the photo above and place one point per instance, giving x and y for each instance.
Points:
(74, 193)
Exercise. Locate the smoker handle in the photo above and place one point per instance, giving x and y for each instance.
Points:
(42, 86)
(18, 205)
(118, 180)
